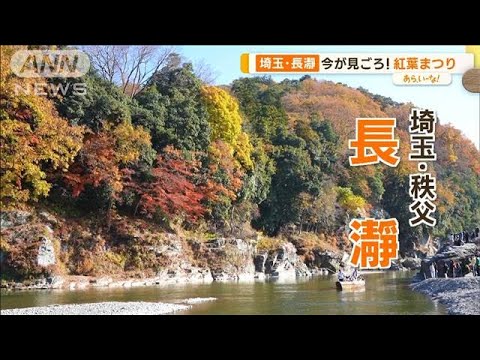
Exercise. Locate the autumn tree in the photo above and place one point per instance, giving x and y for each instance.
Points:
(458, 172)
(170, 190)
(351, 203)
(96, 164)
(224, 182)
(226, 123)
(102, 158)
(223, 115)
(258, 181)
(34, 141)
(336, 102)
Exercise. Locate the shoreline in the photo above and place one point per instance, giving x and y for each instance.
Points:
(75, 282)
(78, 282)
(460, 296)
(110, 308)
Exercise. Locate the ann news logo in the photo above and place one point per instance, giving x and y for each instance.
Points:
(50, 64)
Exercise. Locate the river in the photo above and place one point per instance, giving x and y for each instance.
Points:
(385, 293)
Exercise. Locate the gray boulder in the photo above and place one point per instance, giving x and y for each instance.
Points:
(302, 270)
(14, 218)
(231, 259)
(46, 253)
(446, 255)
(459, 252)
(281, 263)
(216, 243)
(48, 218)
(56, 282)
(411, 263)
(327, 259)
(240, 244)
(259, 261)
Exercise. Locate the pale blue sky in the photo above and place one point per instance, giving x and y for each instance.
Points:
(453, 103)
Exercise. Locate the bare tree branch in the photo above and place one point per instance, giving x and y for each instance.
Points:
(205, 72)
(129, 67)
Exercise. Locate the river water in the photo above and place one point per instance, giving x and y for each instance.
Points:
(385, 293)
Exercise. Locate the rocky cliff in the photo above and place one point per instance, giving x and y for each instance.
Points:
(446, 257)
(43, 250)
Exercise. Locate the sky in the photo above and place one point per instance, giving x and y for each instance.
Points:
(452, 103)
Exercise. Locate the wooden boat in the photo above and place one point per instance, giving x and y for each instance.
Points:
(346, 285)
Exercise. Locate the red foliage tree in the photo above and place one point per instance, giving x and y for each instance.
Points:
(171, 187)
(95, 164)
(224, 173)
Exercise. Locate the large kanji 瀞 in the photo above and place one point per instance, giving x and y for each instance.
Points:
(375, 243)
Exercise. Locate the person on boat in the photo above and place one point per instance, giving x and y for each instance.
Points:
(341, 275)
(354, 274)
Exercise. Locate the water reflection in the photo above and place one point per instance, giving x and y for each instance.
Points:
(385, 293)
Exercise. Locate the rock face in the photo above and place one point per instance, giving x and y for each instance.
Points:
(260, 261)
(13, 218)
(327, 260)
(227, 259)
(446, 256)
(46, 253)
(48, 218)
(281, 262)
(301, 269)
(179, 268)
(230, 259)
(411, 263)
(216, 243)
(28, 249)
(460, 252)
(56, 282)
(126, 256)
(185, 273)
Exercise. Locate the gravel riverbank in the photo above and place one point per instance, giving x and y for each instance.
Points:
(109, 308)
(461, 296)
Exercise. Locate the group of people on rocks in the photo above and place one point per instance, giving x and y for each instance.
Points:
(464, 237)
(454, 269)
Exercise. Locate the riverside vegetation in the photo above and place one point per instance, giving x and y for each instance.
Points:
(168, 178)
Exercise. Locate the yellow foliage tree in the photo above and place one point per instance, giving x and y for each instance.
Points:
(226, 123)
(243, 150)
(334, 102)
(349, 201)
(34, 140)
(131, 141)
